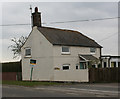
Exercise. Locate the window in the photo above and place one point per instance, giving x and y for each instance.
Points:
(77, 66)
(27, 52)
(105, 64)
(93, 66)
(65, 50)
(113, 64)
(83, 65)
(92, 50)
(66, 67)
(118, 64)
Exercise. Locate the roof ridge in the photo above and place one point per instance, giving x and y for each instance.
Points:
(62, 29)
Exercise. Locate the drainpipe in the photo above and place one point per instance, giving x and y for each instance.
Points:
(100, 57)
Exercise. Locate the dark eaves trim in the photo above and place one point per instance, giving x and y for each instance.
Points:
(110, 56)
(77, 45)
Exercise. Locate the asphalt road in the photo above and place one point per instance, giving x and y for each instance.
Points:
(77, 90)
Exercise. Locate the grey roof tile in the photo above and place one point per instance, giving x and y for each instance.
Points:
(67, 37)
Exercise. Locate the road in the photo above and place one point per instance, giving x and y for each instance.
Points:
(75, 90)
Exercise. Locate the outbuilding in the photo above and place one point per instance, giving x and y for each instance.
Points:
(109, 61)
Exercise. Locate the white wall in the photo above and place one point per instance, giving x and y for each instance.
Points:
(75, 50)
(41, 50)
(72, 74)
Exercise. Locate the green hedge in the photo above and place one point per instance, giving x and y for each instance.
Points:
(11, 67)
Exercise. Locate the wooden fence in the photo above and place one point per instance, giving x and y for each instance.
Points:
(11, 71)
(12, 76)
(104, 74)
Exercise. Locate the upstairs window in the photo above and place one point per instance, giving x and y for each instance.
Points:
(65, 50)
(27, 51)
(92, 50)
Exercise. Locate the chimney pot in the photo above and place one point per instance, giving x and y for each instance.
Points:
(36, 9)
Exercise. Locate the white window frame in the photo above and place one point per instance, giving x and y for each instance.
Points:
(92, 52)
(25, 52)
(66, 65)
(65, 52)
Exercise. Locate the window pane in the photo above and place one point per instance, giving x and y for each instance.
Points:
(28, 52)
(105, 64)
(65, 67)
(92, 50)
(77, 67)
(113, 64)
(81, 66)
(118, 64)
(65, 49)
(93, 66)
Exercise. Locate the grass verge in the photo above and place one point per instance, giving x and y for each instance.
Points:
(33, 83)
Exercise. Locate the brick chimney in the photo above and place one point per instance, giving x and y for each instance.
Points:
(36, 18)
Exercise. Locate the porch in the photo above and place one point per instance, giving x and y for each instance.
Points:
(87, 61)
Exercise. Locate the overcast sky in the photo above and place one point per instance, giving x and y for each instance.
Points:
(105, 32)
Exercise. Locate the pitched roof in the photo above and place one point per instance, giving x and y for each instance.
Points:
(67, 37)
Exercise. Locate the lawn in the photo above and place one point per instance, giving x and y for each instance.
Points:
(33, 83)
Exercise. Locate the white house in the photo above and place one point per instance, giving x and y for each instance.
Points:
(61, 55)
(110, 61)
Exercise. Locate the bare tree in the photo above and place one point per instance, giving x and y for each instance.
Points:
(16, 47)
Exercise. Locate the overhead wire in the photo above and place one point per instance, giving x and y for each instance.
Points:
(13, 24)
(108, 37)
(100, 19)
(85, 20)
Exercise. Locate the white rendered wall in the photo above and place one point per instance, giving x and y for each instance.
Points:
(41, 50)
(80, 75)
